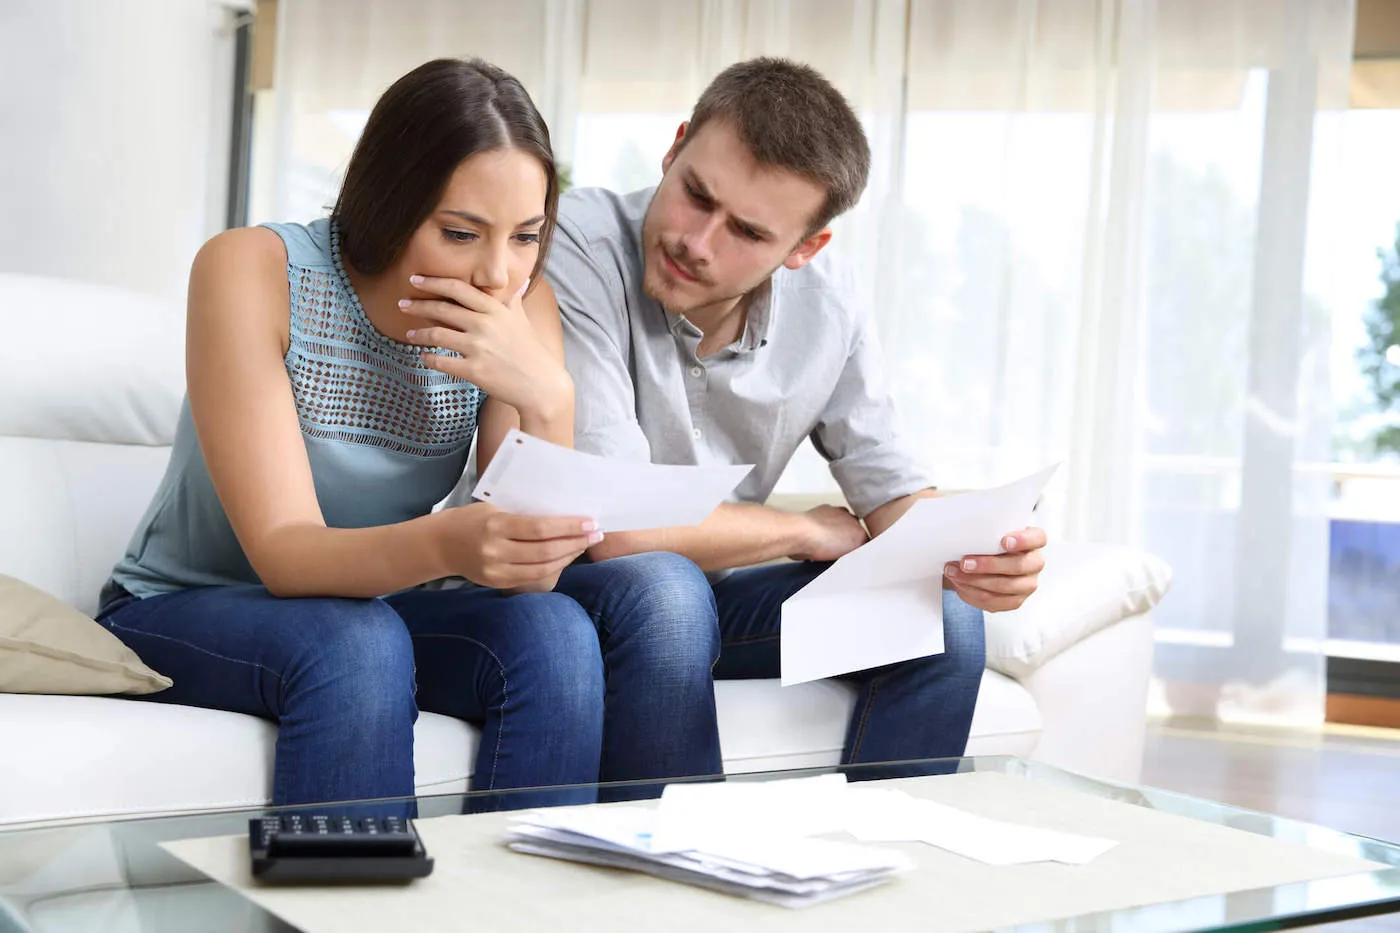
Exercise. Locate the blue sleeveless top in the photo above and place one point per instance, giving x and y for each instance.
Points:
(387, 438)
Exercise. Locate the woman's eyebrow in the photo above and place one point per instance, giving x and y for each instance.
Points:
(476, 219)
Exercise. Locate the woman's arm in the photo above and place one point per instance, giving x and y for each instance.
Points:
(245, 416)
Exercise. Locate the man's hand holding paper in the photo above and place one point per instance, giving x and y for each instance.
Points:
(882, 602)
(1000, 582)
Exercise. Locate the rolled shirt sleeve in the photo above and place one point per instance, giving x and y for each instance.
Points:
(859, 432)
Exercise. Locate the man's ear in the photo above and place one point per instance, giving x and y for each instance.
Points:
(670, 155)
(808, 248)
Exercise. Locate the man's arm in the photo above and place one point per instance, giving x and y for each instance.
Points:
(743, 534)
(879, 521)
(860, 434)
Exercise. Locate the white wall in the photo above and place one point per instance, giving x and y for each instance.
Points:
(114, 120)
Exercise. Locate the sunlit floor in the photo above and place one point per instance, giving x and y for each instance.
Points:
(1345, 777)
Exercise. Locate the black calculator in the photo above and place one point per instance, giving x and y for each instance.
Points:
(327, 849)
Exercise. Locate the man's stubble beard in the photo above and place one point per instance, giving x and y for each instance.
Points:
(650, 287)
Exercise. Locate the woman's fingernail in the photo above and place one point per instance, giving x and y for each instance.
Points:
(411, 333)
(415, 280)
(524, 288)
(590, 525)
(405, 303)
(950, 569)
(1009, 542)
(595, 537)
(969, 565)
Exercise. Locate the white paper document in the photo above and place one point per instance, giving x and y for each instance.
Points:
(883, 602)
(691, 815)
(876, 815)
(529, 476)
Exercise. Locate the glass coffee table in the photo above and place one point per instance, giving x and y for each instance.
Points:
(113, 876)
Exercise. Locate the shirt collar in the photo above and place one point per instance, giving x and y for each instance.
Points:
(756, 323)
(760, 316)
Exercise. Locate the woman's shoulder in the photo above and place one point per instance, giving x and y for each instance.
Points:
(306, 245)
(241, 274)
(241, 247)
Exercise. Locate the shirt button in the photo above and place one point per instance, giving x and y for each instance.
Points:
(697, 372)
(696, 432)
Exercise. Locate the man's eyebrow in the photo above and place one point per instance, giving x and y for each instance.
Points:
(705, 195)
(473, 218)
(700, 187)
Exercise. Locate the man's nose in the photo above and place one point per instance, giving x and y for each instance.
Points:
(699, 241)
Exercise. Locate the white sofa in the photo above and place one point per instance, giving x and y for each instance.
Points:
(90, 382)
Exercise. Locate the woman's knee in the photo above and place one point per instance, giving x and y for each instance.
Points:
(555, 644)
(358, 649)
(664, 603)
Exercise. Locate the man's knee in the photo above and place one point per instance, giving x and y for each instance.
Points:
(964, 634)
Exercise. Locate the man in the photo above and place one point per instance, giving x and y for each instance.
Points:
(702, 325)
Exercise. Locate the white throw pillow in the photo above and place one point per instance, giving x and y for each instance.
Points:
(1085, 588)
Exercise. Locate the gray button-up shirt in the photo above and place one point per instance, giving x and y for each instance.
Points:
(807, 365)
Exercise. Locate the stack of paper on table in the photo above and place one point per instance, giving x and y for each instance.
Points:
(792, 871)
(754, 839)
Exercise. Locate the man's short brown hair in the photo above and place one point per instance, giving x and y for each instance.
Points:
(790, 117)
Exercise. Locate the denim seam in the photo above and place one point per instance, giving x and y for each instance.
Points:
(201, 650)
(864, 720)
(505, 698)
(603, 653)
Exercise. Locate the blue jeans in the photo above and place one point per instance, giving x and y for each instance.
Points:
(345, 678)
(912, 710)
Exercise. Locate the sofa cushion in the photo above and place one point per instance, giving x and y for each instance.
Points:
(117, 376)
(47, 646)
(1092, 587)
(91, 756)
(70, 757)
(68, 509)
(764, 726)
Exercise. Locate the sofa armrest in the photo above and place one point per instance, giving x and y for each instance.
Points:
(1084, 589)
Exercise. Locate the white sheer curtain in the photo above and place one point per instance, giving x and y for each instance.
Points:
(1096, 232)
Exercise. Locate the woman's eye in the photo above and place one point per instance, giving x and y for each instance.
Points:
(528, 237)
(459, 236)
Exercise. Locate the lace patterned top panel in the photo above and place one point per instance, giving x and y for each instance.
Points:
(355, 385)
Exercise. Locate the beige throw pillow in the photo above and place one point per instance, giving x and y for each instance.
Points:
(47, 646)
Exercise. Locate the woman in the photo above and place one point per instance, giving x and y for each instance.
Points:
(337, 374)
